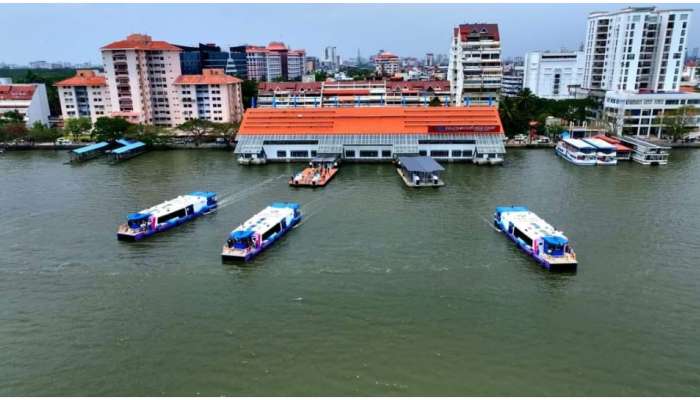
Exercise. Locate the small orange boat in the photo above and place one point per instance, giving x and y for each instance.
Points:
(319, 172)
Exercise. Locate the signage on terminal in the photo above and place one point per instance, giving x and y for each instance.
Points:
(452, 129)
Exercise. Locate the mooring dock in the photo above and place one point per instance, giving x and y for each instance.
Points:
(89, 152)
(128, 150)
(319, 172)
(421, 171)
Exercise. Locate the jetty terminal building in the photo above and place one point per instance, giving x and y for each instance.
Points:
(472, 134)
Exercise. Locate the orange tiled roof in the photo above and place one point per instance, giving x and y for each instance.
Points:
(208, 77)
(141, 42)
(370, 120)
(17, 92)
(84, 78)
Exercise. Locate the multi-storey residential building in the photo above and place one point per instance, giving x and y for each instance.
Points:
(386, 63)
(265, 63)
(475, 70)
(550, 75)
(194, 59)
(635, 49)
(512, 82)
(352, 94)
(140, 75)
(84, 95)
(29, 100)
(211, 95)
(295, 64)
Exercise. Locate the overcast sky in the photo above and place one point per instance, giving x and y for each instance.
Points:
(75, 32)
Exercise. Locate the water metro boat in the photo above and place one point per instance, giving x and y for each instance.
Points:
(260, 231)
(535, 237)
(576, 151)
(167, 215)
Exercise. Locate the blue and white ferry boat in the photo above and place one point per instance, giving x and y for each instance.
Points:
(535, 237)
(260, 231)
(576, 151)
(167, 215)
(606, 153)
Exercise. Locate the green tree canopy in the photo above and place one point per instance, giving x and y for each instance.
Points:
(679, 122)
(198, 129)
(111, 128)
(77, 126)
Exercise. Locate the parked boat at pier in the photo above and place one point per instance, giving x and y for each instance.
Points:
(576, 151)
(644, 152)
(261, 231)
(89, 152)
(420, 171)
(535, 237)
(128, 150)
(167, 215)
(319, 172)
(622, 152)
(605, 152)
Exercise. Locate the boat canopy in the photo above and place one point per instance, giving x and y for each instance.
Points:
(423, 164)
(555, 240)
(137, 216)
(129, 147)
(92, 147)
(503, 209)
(293, 206)
(241, 235)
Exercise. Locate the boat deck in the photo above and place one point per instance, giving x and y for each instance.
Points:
(313, 177)
(408, 183)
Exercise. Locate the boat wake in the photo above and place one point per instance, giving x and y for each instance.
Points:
(490, 223)
(313, 207)
(230, 198)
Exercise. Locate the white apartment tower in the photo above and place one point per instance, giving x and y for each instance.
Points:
(635, 49)
(140, 75)
(84, 95)
(475, 72)
(550, 75)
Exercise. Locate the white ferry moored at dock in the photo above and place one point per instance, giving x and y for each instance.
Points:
(167, 215)
(261, 231)
(535, 237)
(605, 152)
(644, 152)
(576, 151)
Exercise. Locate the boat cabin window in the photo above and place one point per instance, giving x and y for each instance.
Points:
(386, 153)
(175, 214)
(137, 223)
(518, 234)
(555, 250)
(299, 153)
(349, 153)
(240, 243)
(282, 153)
(272, 231)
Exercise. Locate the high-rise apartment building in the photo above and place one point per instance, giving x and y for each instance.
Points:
(84, 95)
(211, 95)
(266, 63)
(637, 48)
(140, 74)
(475, 70)
(551, 75)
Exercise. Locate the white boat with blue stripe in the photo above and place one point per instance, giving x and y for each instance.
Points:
(167, 215)
(576, 151)
(261, 231)
(535, 237)
(606, 153)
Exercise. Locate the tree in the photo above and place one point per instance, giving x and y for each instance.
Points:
(111, 128)
(11, 116)
(249, 90)
(320, 76)
(77, 126)
(678, 122)
(149, 134)
(227, 131)
(198, 128)
(41, 133)
(12, 131)
(435, 102)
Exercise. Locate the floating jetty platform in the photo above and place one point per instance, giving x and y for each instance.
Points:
(319, 172)
(421, 171)
(129, 149)
(89, 152)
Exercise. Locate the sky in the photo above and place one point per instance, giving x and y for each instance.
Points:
(75, 32)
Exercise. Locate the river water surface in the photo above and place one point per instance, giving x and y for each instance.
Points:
(382, 290)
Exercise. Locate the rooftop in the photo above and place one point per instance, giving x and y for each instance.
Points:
(478, 30)
(213, 76)
(17, 91)
(372, 121)
(84, 77)
(138, 41)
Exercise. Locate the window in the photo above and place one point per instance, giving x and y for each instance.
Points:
(313, 153)
(456, 153)
(299, 153)
(369, 153)
(281, 153)
(349, 153)
(423, 153)
(386, 153)
(439, 153)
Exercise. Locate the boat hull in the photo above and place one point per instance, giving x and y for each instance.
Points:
(558, 265)
(227, 255)
(563, 154)
(308, 182)
(129, 236)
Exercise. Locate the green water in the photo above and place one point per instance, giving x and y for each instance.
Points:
(383, 290)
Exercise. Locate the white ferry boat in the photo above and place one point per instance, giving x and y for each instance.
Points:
(646, 153)
(260, 231)
(605, 152)
(535, 237)
(167, 215)
(576, 151)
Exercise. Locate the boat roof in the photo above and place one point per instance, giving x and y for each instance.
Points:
(601, 144)
(266, 219)
(177, 203)
(130, 146)
(578, 143)
(639, 142)
(531, 224)
(92, 147)
(420, 164)
(613, 141)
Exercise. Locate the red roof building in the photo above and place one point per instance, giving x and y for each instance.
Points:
(29, 100)
(138, 41)
(84, 77)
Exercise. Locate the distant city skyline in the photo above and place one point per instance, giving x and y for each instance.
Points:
(75, 32)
